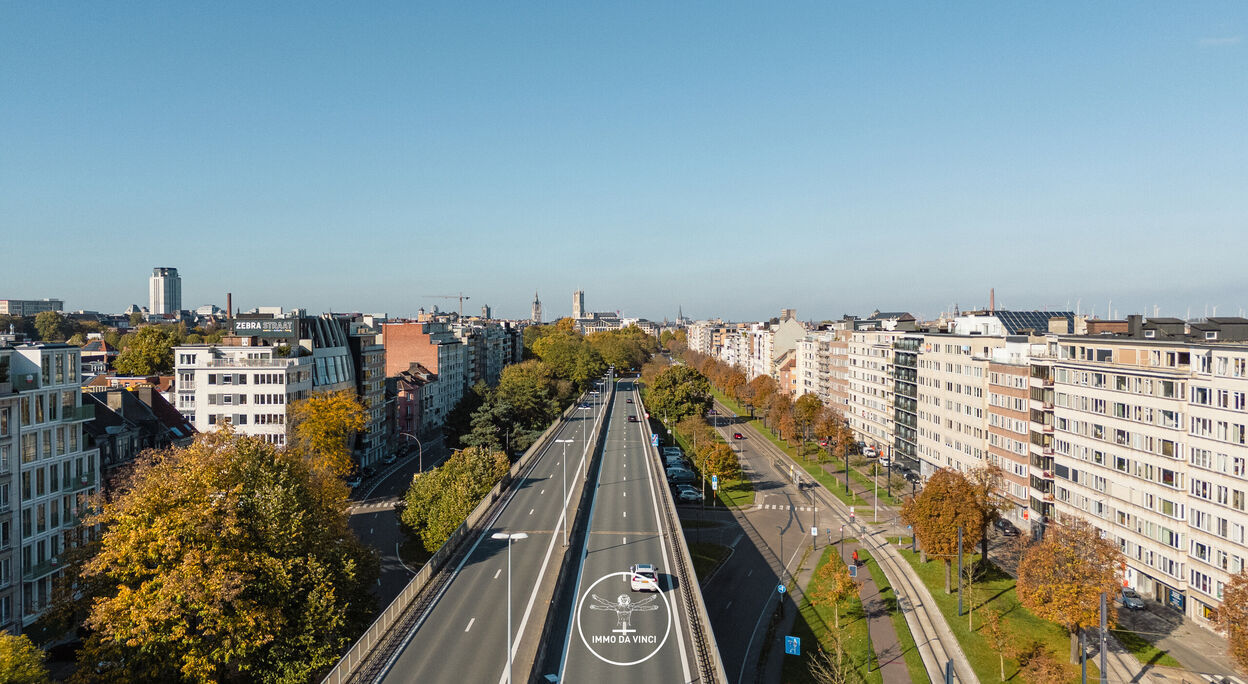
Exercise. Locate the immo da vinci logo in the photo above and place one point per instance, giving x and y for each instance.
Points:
(619, 627)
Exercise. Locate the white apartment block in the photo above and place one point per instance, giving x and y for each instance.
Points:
(164, 291)
(1150, 446)
(822, 368)
(953, 401)
(870, 384)
(57, 473)
(249, 387)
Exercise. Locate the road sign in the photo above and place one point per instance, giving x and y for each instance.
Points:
(714, 483)
(853, 570)
(780, 588)
(814, 531)
(654, 440)
(793, 645)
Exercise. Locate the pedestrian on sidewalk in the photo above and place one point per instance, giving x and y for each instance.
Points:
(855, 557)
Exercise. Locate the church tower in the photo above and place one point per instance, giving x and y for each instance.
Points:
(537, 310)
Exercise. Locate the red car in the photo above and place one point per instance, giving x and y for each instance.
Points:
(738, 435)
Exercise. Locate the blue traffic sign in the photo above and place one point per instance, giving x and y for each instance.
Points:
(654, 440)
(780, 588)
(793, 645)
(715, 483)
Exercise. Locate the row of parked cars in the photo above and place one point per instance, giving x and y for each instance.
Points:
(680, 475)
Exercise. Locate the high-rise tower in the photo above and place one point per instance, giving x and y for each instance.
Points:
(578, 305)
(164, 291)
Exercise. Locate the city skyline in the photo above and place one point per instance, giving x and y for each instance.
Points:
(729, 160)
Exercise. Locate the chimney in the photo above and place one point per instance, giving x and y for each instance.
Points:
(1135, 325)
(229, 306)
(992, 299)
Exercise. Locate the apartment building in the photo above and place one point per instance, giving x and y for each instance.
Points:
(248, 387)
(953, 401)
(29, 307)
(10, 596)
(57, 473)
(433, 345)
(822, 367)
(368, 357)
(871, 388)
(1009, 425)
(906, 400)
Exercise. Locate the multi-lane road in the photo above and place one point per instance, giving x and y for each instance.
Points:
(614, 634)
(463, 635)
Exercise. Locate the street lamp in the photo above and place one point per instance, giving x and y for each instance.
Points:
(565, 443)
(515, 536)
(421, 447)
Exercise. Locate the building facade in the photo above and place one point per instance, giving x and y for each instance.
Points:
(248, 387)
(164, 291)
(29, 307)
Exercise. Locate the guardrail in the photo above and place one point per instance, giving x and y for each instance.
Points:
(400, 612)
(710, 666)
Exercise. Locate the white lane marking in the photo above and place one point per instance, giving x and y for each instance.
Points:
(749, 573)
(541, 492)
(497, 573)
(531, 511)
(625, 540)
(625, 514)
(470, 624)
(727, 605)
(625, 493)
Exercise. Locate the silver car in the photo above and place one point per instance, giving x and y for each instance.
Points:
(1132, 600)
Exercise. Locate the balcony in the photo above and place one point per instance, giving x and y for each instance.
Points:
(77, 413)
(77, 484)
(25, 383)
(40, 570)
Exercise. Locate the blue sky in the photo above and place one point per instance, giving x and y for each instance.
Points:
(731, 158)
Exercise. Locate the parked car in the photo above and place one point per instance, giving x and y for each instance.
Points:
(643, 577)
(354, 481)
(1006, 527)
(680, 475)
(688, 494)
(389, 458)
(738, 435)
(1132, 600)
(367, 472)
(913, 477)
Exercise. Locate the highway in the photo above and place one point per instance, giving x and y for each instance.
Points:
(615, 634)
(463, 637)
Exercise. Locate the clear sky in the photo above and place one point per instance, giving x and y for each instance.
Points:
(830, 156)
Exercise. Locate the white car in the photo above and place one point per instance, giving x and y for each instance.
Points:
(643, 577)
(688, 494)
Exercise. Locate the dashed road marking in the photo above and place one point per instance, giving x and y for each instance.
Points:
(470, 624)
(531, 511)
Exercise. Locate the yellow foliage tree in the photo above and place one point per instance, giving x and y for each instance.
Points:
(323, 426)
(222, 562)
(1061, 577)
(1233, 618)
(833, 585)
(21, 662)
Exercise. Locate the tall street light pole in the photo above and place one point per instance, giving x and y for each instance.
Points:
(419, 446)
(515, 536)
(565, 443)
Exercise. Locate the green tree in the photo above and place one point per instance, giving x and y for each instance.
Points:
(323, 427)
(679, 391)
(51, 326)
(532, 393)
(1061, 577)
(77, 340)
(440, 499)
(21, 662)
(135, 319)
(719, 459)
(1233, 618)
(227, 561)
(937, 513)
(148, 352)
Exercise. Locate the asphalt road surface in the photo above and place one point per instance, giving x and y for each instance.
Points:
(463, 636)
(615, 634)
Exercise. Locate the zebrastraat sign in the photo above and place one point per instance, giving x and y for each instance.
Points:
(264, 327)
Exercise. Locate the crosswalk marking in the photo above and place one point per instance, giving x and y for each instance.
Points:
(1220, 679)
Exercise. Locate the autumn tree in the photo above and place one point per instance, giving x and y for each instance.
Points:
(832, 665)
(1043, 668)
(992, 628)
(149, 351)
(679, 391)
(1233, 618)
(719, 459)
(323, 427)
(439, 500)
(1061, 577)
(988, 483)
(21, 662)
(223, 561)
(937, 513)
(51, 326)
(805, 412)
(832, 586)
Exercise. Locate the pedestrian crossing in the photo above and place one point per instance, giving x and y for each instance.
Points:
(372, 506)
(1222, 679)
(783, 507)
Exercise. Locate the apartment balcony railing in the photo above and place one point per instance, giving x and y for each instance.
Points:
(256, 363)
(77, 413)
(23, 383)
(83, 481)
(41, 570)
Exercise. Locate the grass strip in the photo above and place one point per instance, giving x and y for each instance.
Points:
(909, 649)
(1144, 651)
(706, 557)
(995, 590)
(814, 625)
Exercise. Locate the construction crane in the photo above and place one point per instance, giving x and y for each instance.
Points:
(461, 297)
